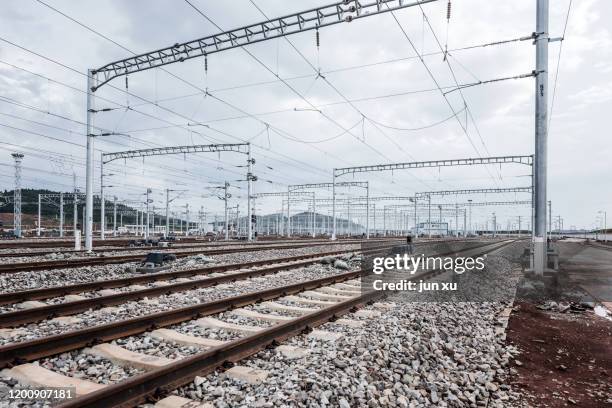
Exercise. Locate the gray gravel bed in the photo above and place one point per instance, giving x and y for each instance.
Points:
(57, 277)
(193, 329)
(146, 344)
(175, 300)
(435, 353)
(426, 354)
(87, 367)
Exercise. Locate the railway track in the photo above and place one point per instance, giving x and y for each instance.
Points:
(333, 296)
(119, 243)
(202, 245)
(233, 272)
(104, 260)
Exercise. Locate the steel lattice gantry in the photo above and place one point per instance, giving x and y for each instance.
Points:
(360, 184)
(524, 160)
(243, 148)
(312, 19)
(428, 194)
(474, 191)
(289, 200)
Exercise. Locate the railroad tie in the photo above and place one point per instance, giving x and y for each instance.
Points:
(350, 323)
(341, 292)
(347, 286)
(260, 316)
(247, 374)
(323, 296)
(124, 357)
(185, 339)
(292, 352)
(174, 401)
(284, 308)
(298, 299)
(30, 304)
(37, 376)
(65, 320)
(212, 323)
(10, 333)
(325, 335)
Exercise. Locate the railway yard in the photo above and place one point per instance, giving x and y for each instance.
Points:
(277, 323)
(273, 204)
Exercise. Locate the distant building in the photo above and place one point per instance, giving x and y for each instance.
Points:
(437, 228)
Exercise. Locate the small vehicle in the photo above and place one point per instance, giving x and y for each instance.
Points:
(155, 262)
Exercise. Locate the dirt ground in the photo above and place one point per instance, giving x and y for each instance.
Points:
(566, 358)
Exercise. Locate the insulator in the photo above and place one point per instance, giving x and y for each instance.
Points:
(206, 63)
(318, 39)
(448, 10)
(126, 83)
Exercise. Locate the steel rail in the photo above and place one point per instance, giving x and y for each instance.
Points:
(17, 353)
(55, 291)
(139, 388)
(105, 260)
(205, 244)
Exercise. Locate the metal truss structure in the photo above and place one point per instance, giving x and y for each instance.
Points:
(490, 203)
(160, 151)
(313, 19)
(362, 184)
(18, 157)
(474, 191)
(59, 200)
(243, 148)
(292, 197)
(526, 160)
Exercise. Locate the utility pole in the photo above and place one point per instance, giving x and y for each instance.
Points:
(289, 213)
(549, 220)
(519, 226)
(226, 197)
(494, 226)
(148, 213)
(187, 219)
(605, 230)
(456, 220)
(167, 234)
(416, 223)
(470, 209)
(541, 136)
(39, 220)
(314, 219)
(17, 196)
(114, 216)
(368, 211)
(429, 215)
(250, 179)
(74, 206)
(102, 215)
(89, 165)
(61, 220)
(440, 220)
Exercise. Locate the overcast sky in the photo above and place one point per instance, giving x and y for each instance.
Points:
(369, 62)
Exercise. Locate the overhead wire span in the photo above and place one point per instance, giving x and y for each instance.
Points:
(143, 99)
(554, 94)
(460, 93)
(286, 83)
(490, 81)
(146, 114)
(421, 127)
